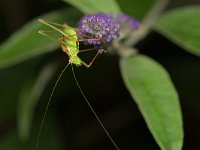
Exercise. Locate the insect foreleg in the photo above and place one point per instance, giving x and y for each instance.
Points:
(67, 37)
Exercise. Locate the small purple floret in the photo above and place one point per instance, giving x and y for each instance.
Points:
(127, 21)
(98, 28)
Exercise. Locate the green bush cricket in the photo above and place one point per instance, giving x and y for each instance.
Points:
(69, 43)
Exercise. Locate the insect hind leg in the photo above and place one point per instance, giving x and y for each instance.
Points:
(100, 51)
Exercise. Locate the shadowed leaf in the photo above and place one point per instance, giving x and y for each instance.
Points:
(182, 26)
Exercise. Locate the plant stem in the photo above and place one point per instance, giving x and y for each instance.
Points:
(147, 23)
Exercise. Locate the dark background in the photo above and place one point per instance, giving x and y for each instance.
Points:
(77, 127)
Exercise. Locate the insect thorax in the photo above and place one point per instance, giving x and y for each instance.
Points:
(71, 41)
(71, 33)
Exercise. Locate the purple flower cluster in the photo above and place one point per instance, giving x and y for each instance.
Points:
(98, 28)
(101, 29)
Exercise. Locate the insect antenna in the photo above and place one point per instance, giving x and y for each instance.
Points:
(49, 101)
(44, 33)
(91, 108)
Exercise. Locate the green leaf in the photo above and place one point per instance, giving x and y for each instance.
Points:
(153, 91)
(94, 6)
(29, 97)
(182, 26)
(27, 43)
